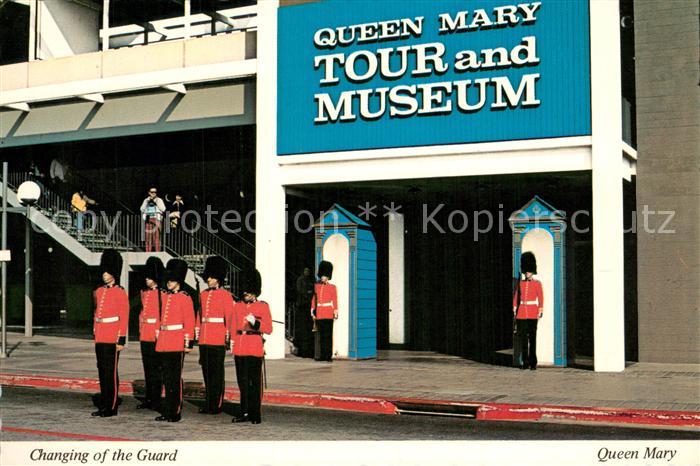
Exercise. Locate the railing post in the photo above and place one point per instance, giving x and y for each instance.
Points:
(3, 246)
(105, 25)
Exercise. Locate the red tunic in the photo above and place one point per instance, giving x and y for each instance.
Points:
(217, 309)
(177, 324)
(111, 320)
(531, 301)
(327, 301)
(247, 340)
(149, 318)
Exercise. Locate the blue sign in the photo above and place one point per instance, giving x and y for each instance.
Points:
(358, 75)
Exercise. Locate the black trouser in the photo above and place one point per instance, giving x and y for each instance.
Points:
(107, 369)
(325, 340)
(528, 341)
(211, 358)
(171, 365)
(249, 377)
(303, 323)
(152, 373)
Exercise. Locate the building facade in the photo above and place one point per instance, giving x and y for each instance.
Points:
(434, 122)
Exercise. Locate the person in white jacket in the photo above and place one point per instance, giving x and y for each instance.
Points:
(152, 209)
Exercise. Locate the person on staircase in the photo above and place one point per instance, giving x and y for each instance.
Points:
(152, 209)
(79, 205)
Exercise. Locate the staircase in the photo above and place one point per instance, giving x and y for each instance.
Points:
(124, 231)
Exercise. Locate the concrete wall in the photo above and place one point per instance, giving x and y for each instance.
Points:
(67, 28)
(218, 49)
(668, 179)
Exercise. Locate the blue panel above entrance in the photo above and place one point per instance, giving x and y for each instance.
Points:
(353, 78)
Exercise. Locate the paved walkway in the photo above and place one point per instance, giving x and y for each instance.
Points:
(400, 374)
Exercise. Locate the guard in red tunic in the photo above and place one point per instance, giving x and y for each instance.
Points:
(251, 320)
(174, 338)
(528, 305)
(152, 298)
(324, 308)
(111, 324)
(212, 333)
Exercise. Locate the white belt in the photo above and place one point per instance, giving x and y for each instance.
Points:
(106, 320)
(326, 304)
(150, 321)
(528, 302)
(171, 327)
(213, 320)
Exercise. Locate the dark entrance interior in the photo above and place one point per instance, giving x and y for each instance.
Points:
(457, 277)
(212, 169)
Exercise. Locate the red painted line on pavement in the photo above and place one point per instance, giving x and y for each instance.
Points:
(60, 383)
(505, 412)
(370, 404)
(65, 434)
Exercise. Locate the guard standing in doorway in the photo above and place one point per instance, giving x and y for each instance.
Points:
(110, 327)
(212, 332)
(252, 319)
(324, 308)
(303, 335)
(174, 338)
(528, 305)
(152, 298)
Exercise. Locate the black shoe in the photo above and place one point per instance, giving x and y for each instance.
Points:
(161, 418)
(144, 405)
(108, 413)
(522, 368)
(204, 411)
(238, 419)
(174, 419)
(532, 368)
(97, 413)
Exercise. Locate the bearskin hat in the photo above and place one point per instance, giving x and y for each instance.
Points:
(215, 267)
(176, 271)
(111, 262)
(325, 269)
(528, 263)
(154, 269)
(251, 282)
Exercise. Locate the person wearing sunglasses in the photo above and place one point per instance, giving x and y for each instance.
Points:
(152, 209)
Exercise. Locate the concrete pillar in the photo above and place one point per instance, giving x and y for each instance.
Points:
(124, 280)
(608, 253)
(396, 280)
(270, 206)
(188, 18)
(105, 25)
(33, 12)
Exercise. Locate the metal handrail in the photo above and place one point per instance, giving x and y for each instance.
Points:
(99, 235)
(127, 232)
(180, 27)
(92, 187)
(208, 237)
